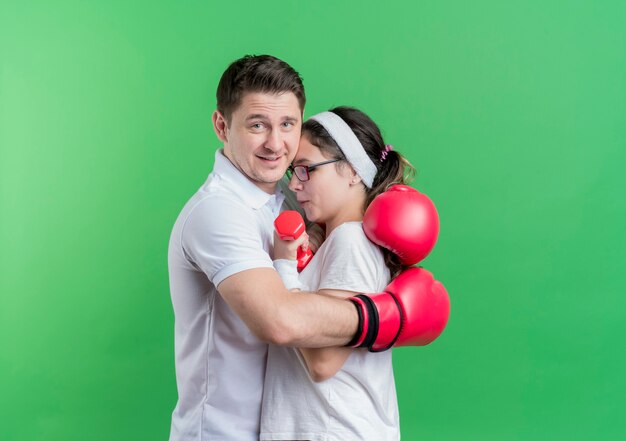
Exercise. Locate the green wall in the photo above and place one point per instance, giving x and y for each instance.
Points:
(514, 113)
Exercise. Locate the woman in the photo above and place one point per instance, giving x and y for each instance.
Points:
(342, 164)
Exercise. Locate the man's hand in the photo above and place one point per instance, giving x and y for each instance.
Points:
(412, 311)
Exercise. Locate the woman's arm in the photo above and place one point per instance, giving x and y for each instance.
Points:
(324, 363)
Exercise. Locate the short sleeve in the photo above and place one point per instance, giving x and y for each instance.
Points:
(222, 237)
(352, 262)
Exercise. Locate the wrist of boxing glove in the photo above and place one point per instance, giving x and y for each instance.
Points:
(288, 271)
(368, 322)
(380, 321)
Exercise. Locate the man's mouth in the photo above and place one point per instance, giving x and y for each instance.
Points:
(270, 159)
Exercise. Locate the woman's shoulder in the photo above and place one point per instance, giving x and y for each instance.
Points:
(351, 262)
(350, 235)
(349, 229)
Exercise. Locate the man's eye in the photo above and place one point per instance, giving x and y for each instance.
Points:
(287, 125)
(257, 126)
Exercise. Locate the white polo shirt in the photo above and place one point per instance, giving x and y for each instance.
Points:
(225, 228)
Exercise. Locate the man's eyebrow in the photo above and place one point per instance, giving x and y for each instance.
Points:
(256, 116)
(265, 117)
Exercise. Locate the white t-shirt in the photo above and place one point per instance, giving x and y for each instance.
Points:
(225, 228)
(359, 403)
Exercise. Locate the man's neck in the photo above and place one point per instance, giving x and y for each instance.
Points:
(267, 187)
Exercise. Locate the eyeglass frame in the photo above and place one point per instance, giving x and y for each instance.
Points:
(307, 169)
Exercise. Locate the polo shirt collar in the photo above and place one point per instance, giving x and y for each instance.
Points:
(242, 186)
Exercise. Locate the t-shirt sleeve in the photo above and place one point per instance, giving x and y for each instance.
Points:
(352, 262)
(221, 237)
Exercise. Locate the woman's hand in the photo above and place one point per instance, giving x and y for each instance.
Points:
(288, 249)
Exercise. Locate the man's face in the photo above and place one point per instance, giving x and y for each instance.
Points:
(262, 137)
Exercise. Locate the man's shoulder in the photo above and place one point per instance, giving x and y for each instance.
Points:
(212, 208)
(215, 194)
(218, 205)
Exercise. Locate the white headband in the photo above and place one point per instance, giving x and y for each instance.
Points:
(349, 145)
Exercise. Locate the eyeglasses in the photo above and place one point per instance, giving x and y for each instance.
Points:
(302, 171)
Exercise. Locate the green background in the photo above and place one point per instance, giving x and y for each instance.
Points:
(514, 114)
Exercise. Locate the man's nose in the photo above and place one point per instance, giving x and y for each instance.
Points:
(274, 141)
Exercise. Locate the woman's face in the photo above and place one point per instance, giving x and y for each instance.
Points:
(327, 196)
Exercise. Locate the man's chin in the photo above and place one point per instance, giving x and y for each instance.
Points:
(274, 175)
(269, 178)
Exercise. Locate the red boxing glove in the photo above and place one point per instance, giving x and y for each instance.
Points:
(404, 221)
(413, 311)
(290, 226)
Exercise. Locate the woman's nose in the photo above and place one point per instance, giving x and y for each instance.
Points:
(294, 183)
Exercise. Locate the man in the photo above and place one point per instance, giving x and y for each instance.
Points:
(228, 300)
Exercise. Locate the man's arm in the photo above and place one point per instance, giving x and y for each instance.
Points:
(278, 316)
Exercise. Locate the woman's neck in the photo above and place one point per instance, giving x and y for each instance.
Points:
(347, 215)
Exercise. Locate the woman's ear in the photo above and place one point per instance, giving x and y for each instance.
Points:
(354, 177)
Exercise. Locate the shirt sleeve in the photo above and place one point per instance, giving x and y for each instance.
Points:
(222, 237)
(352, 262)
(288, 272)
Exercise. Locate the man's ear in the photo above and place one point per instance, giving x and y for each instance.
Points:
(220, 125)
